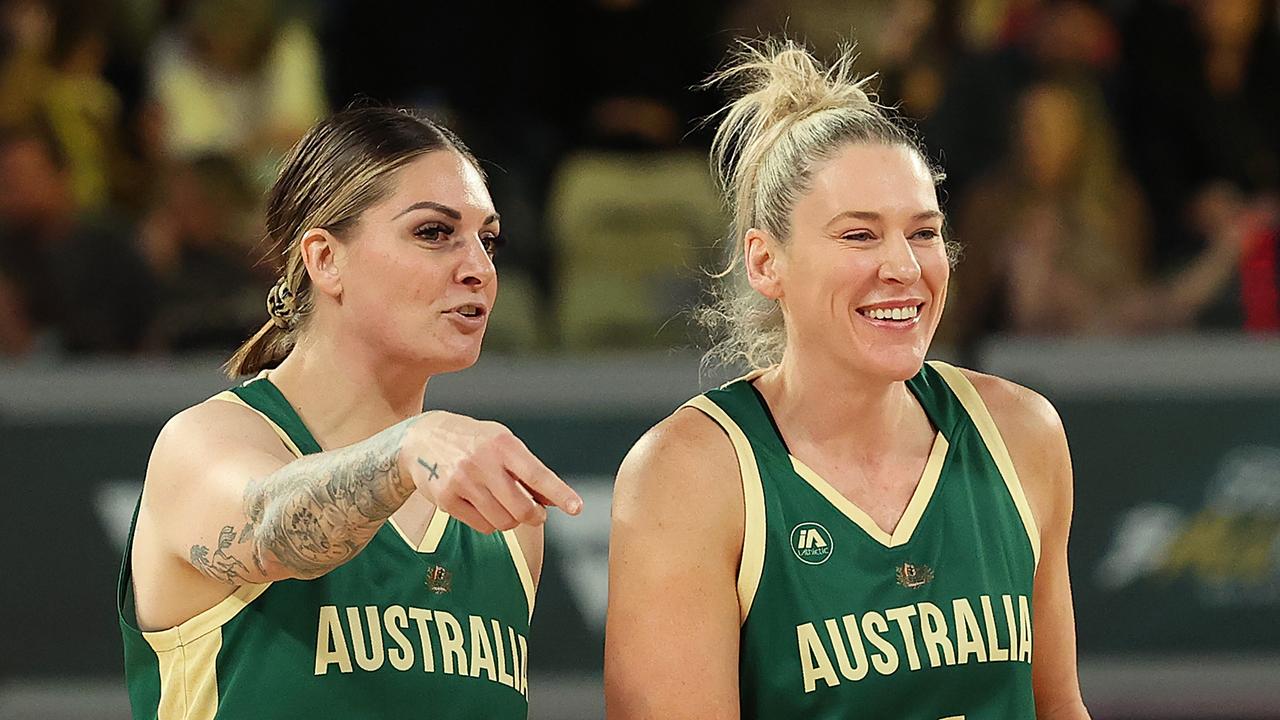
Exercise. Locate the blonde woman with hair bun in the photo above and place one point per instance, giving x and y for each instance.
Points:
(310, 543)
(848, 531)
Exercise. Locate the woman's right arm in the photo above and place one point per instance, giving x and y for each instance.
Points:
(224, 495)
(671, 641)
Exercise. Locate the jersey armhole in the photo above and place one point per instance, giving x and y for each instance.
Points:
(522, 568)
(752, 564)
(205, 621)
(968, 396)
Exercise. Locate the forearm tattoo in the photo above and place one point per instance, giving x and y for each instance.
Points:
(315, 513)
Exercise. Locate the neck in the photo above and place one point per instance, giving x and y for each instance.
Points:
(819, 400)
(343, 392)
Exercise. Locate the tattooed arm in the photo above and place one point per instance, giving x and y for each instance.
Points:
(317, 512)
(226, 504)
(225, 498)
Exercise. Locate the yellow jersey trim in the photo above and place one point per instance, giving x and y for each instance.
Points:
(228, 396)
(906, 526)
(215, 617)
(435, 531)
(189, 679)
(753, 546)
(206, 622)
(982, 420)
(522, 568)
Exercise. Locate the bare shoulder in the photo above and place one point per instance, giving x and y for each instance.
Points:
(1015, 408)
(680, 464)
(204, 434)
(1037, 442)
(216, 419)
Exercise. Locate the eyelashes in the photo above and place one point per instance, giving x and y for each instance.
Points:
(866, 236)
(438, 233)
(493, 243)
(432, 231)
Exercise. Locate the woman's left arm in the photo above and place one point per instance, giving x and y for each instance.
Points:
(1037, 443)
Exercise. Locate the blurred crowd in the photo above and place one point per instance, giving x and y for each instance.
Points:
(1113, 165)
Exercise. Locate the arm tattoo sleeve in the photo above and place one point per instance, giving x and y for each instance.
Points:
(315, 513)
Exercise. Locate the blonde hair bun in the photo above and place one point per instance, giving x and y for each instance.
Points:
(787, 112)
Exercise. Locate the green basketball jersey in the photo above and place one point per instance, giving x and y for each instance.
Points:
(433, 631)
(843, 620)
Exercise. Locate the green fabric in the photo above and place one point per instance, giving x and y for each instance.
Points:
(376, 637)
(141, 667)
(849, 613)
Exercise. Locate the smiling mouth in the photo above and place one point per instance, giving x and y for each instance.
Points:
(897, 314)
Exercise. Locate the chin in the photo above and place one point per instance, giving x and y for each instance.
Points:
(452, 363)
(444, 358)
(893, 366)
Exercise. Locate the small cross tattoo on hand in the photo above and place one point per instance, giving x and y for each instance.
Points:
(433, 469)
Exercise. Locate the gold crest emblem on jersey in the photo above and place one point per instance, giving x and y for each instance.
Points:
(913, 576)
(439, 580)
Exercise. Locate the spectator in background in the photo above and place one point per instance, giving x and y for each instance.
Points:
(234, 78)
(1203, 105)
(83, 109)
(1056, 235)
(198, 241)
(1001, 47)
(53, 72)
(26, 36)
(74, 280)
(1201, 112)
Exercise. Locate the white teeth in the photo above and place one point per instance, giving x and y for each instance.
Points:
(898, 313)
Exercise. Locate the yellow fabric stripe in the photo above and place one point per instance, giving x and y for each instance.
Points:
(924, 492)
(522, 567)
(915, 507)
(982, 420)
(752, 565)
(206, 622)
(841, 503)
(435, 531)
(189, 679)
(228, 396)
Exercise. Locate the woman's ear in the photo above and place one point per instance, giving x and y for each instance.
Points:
(762, 257)
(321, 253)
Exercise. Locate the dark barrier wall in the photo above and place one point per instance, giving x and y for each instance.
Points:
(1175, 549)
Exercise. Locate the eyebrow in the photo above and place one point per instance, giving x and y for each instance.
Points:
(875, 216)
(445, 209)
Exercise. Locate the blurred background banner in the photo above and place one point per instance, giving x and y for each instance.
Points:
(1113, 174)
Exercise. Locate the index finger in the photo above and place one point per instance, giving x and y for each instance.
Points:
(525, 467)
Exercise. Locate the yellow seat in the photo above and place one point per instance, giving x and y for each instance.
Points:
(631, 235)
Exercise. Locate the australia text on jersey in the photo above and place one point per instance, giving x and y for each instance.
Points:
(485, 649)
(875, 639)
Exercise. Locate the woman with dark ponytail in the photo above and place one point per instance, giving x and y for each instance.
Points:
(311, 544)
